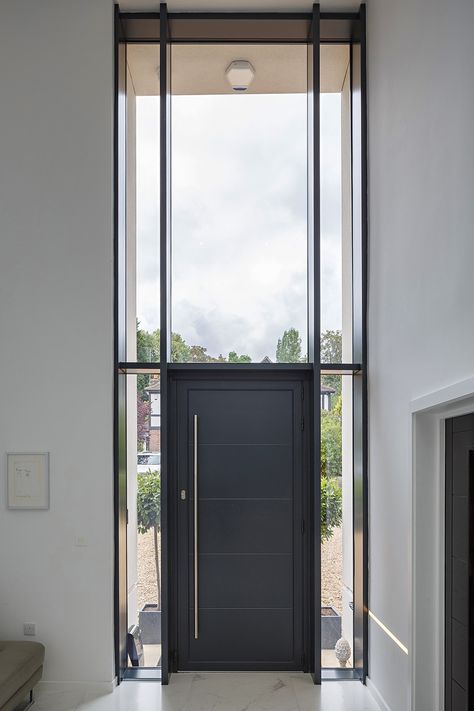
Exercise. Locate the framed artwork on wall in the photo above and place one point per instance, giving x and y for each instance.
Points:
(27, 480)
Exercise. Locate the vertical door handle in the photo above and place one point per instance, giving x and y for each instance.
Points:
(196, 527)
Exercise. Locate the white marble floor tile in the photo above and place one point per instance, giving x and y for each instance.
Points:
(217, 692)
(332, 695)
(242, 692)
(58, 697)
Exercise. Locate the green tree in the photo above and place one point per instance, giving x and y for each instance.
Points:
(331, 441)
(180, 351)
(145, 352)
(331, 506)
(331, 347)
(148, 351)
(149, 514)
(143, 422)
(199, 354)
(289, 347)
(234, 358)
(146, 346)
(331, 469)
(331, 352)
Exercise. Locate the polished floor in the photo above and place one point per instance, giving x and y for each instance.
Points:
(216, 692)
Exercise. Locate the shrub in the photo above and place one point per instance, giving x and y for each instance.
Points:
(331, 506)
(149, 513)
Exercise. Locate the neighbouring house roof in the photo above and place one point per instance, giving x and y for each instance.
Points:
(154, 386)
(326, 389)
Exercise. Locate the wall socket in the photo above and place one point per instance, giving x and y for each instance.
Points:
(29, 629)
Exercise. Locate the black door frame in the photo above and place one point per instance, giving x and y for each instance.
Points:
(208, 376)
(457, 426)
(311, 29)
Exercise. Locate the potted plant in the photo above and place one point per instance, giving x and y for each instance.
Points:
(149, 517)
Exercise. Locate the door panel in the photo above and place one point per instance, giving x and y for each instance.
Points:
(233, 580)
(459, 553)
(231, 638)
(232, 416)
(245, 527)
(250, 533)
(245, 468)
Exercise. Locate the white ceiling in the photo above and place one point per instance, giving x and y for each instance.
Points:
(238, 5)
(200, 69)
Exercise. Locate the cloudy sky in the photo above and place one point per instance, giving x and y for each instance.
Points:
(238, 219)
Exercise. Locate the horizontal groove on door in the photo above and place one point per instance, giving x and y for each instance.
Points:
(244, 498)
(233, 555)
(242, 608)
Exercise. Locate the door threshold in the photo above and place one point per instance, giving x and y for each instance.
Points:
(240, 671)
(339, 674)
(142, 674)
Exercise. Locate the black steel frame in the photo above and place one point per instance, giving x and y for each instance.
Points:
(120, 413)
(449, 652)
(359, 311)
(196, 373)
(448, 563)
(314, 331)
(311, 29)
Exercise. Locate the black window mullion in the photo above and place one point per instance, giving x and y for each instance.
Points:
(165, 322)
(314, 331)
(360, 441)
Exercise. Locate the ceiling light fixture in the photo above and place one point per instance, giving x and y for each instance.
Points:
(240, 74)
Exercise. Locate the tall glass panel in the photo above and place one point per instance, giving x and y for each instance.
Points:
(336, 522)
(239, 203)
(144, 523)
(336, 231)
(143, 336)
(143, 202)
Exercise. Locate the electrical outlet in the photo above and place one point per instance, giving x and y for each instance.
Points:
(29, 629)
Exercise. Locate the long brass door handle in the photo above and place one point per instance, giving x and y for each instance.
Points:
(196, 527)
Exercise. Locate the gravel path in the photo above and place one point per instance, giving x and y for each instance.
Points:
(331, 571)
(331, 562)
(146, 569)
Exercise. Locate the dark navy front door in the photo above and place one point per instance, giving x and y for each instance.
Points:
(240, 542)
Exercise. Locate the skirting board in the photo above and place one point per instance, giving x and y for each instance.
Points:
(377, 695)
(88, 687)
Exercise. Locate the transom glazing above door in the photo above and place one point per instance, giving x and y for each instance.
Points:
(239, 203)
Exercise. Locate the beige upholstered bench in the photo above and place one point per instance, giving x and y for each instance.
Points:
(21, 668)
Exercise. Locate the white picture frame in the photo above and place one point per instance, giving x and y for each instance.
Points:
(27, 481)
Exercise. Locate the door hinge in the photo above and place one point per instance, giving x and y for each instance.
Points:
(127, 516)
(302, 424)
(303, 527)
(302, 392)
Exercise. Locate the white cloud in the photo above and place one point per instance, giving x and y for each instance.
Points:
(239, 218)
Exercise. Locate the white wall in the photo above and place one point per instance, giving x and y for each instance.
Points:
(56, 105)
(421, 337)
(56, 267)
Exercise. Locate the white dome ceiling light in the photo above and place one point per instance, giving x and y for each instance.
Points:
(240, 74)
